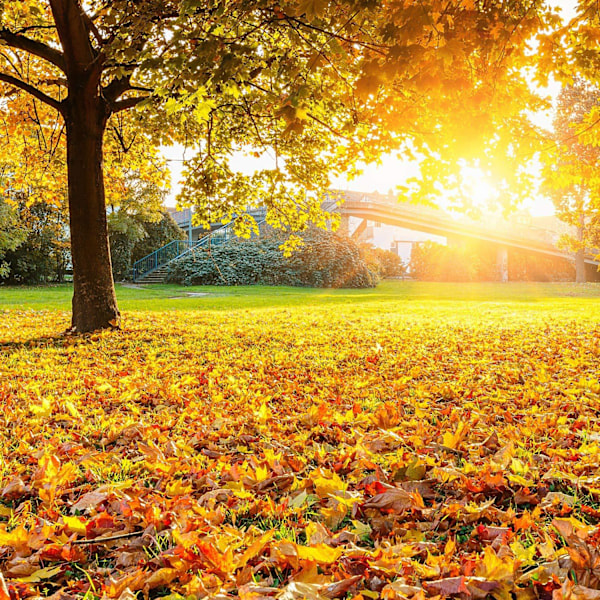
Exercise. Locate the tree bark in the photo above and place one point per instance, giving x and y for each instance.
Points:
(94, 300)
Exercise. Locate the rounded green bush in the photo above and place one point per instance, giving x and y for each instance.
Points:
(326, 260)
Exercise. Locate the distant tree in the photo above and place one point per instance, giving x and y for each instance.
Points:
(158, 234)
(124, 231)
(431, 261)
(477, 261)
(571, 175)
(11, 235)
(527, 266)
(44, 253)
(137, 222)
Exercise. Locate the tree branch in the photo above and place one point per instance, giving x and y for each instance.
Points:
(73, 34)
(328, 127)
(123, 84)
(21, 42)
(117, 87)
(89, 23)
(30, 89)
(127, 103)
(372, 46)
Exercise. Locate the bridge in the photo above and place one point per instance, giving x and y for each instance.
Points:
(379, 209)
(501, 234)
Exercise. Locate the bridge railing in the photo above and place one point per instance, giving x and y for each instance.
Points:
(505, 228)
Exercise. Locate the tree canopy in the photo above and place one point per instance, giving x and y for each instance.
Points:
(33, 164)
(316, 85)
(571, 174)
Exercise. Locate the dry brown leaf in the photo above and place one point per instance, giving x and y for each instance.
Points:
(89, 501)
(395, 499)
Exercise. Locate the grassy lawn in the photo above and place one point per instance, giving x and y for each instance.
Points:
(417, 299)
(416, 440)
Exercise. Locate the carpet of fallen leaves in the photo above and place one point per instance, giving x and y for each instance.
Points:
(294, 454)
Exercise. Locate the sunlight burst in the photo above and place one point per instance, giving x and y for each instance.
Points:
(477, 188)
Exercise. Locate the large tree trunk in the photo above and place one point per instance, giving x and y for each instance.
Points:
(94, 300)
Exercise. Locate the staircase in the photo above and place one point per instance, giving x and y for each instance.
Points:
(155, 267)
(157, 276)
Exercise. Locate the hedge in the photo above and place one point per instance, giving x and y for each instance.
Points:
(326, 260)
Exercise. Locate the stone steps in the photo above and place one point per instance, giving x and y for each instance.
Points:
(157, 276)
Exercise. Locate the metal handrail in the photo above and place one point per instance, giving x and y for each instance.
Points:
(160, 257)
(179, 248)
(218, 237)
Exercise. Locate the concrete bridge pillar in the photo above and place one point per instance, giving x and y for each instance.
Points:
(362, 227)
(502, 264)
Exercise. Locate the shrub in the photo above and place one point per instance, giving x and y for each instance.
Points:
(383, 262)
(326, 260)
(431, 261)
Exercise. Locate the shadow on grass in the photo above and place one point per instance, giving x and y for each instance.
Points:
(57, 340)
(54, 341)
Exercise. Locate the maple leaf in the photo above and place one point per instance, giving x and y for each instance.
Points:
(396, 499)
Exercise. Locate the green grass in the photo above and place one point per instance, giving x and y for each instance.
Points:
(412, 299)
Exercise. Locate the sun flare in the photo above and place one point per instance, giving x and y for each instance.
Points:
(477, 188)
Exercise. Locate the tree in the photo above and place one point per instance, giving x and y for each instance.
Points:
(11, 235)
(317, 84)
(34, 179)
(571, 174)
(44, 254)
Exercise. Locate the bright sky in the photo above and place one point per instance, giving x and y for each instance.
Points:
(392, 170)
